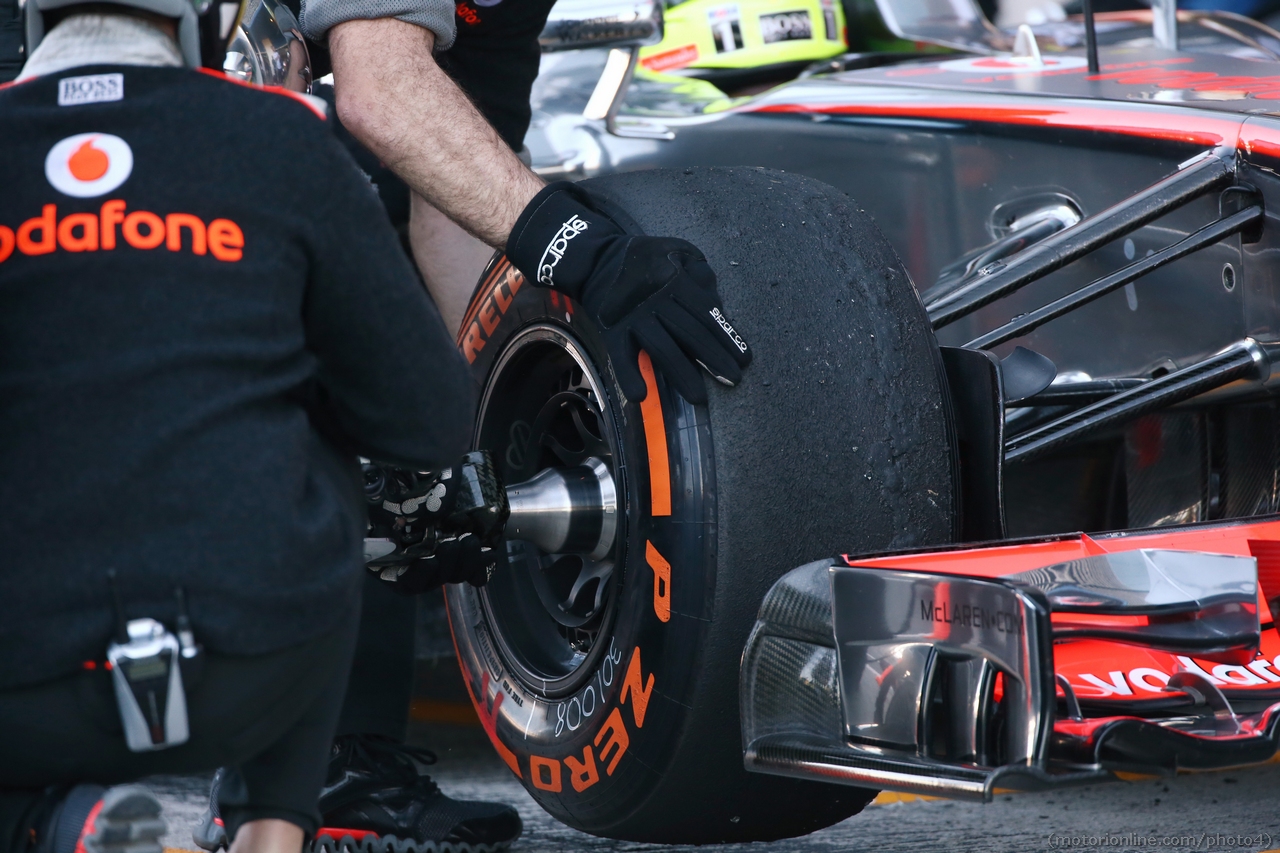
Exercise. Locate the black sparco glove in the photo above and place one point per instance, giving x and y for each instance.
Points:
(652, 293)
(431, 528)
(456, 559)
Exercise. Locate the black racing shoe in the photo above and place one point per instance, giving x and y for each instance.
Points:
(377, 800)
(91, 819)
(209, 834)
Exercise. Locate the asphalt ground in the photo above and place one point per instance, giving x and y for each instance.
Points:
(1233, 810)
(1204, 811)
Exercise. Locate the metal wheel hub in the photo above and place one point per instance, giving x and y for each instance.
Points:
(546, 420)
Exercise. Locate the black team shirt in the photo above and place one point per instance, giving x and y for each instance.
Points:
(204, 317)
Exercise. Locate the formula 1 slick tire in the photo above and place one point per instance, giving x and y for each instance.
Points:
(609, 685)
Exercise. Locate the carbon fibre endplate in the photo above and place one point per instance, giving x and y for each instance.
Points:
(886, 679)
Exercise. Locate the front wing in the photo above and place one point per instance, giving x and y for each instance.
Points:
(1022, 665)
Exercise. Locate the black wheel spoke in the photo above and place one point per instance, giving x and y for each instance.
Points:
(591, 571)
(564, 454)
(593, 444)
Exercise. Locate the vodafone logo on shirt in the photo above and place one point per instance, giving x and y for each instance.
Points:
(93, 164)
(88, 164)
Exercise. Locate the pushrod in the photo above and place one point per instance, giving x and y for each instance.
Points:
(1077, 393)
(1245, 359)
(1058, 250)
(1206, 236)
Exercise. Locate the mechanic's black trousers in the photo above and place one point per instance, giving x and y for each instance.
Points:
(381, 684)
(268, 719)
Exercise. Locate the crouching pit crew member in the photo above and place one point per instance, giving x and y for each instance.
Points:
(439, 93)
(193, 355)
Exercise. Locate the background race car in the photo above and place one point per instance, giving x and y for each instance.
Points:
(763, 37)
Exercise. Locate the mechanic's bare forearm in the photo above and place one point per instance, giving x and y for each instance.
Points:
(396, 100)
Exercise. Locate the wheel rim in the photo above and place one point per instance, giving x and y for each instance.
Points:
(544, 406)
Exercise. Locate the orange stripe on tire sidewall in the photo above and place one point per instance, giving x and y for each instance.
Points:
(655, 436)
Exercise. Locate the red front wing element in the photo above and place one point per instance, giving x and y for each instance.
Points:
(1125, 676)
(1021, 665)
